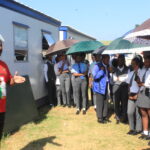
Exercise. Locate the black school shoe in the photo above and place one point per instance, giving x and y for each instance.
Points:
(101, 121)
(137, 132)
(77, 112)
(143, 137)
(106, 120)
(131, 132)
(84, 112)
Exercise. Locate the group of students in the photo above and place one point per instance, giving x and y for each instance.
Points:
(128, 87)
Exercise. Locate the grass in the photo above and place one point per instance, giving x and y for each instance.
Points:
(61, 129)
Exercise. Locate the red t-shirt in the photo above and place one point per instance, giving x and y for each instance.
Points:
(5, 77)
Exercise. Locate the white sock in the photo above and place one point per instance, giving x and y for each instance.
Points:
(94, 106)
(145, 132)
(83, 108)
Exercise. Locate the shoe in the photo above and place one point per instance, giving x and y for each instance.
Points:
(69, 106)
(64, 105)
(106, 120)
(117, 121)
(131, 132)
(148, 138)
(84, 112)
(143, 137)
(101, 121)
(136, 132)
(77, 112)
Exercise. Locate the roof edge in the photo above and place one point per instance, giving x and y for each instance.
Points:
(23, 9)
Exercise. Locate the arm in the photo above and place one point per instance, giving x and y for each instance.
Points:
(78, 74)
(97, 73)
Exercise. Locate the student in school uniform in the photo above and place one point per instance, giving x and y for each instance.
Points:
(143, 101)
(58, 88)
(79, 71)
(101, 78)
(50, 79)
(96, 59)
(134, 117)
(73, 81)
(65, 80)
(120, 90)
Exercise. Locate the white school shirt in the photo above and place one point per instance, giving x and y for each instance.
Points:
(57, 74)
(147, 77)
(134, 88)
(122, 78)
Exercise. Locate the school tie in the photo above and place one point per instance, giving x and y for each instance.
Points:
(143, 79)
(79, 68)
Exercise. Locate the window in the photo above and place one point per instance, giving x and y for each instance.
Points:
(47, 40)
(20, 42)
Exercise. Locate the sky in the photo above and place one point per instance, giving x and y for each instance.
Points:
(102, 19)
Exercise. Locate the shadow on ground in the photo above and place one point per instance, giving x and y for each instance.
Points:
(40, 143)
(43, 111)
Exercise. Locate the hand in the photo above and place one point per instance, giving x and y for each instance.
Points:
(140, 84)
(102, 68)
(18, 79)
(110, 69)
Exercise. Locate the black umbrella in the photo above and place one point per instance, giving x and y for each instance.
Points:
(99, 50)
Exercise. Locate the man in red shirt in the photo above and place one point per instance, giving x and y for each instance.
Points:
(5, 78)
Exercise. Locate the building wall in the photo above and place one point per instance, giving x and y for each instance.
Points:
(34, 66)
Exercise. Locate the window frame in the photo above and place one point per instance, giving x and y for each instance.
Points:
(48, 32)
(20, 25)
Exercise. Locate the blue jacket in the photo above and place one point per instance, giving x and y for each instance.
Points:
(100, 79)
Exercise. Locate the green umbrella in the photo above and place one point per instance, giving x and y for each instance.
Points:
(121, 45)
(84, 47)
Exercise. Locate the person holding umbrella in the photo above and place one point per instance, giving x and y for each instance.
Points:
(5, 78)
(79, 71)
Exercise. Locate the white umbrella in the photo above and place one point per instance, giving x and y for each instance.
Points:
(1, 38)
(140, 34)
